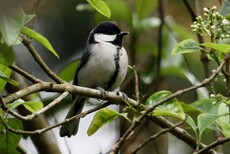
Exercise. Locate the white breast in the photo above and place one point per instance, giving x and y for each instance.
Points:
(101, 65)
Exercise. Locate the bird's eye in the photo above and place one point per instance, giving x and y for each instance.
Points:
(110, 32)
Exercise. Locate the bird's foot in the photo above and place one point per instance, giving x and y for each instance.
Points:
(102, 91)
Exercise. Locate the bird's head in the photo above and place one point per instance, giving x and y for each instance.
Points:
(107, 32)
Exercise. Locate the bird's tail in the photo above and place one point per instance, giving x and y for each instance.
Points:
(71, 127)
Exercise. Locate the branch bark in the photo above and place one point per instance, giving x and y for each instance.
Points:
(45, 140)
(138, 120)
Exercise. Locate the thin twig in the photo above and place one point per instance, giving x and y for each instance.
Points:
(40, 61)
(50, 105)
(34, 11)
(177, 132)
(203, 57)
(205, 82)
(137, 92)
(8, 110)
(160, 34)
(191, 11)
(35, 114)
(226, 73)
(27, 75)
(219, 141)
(40, 131)
(220, 2)
(158, 134)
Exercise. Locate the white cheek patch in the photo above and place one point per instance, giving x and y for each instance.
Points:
(104, 37)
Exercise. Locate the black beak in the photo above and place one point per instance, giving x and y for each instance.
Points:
(123, 33)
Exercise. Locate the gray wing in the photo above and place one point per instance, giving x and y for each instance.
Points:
(71, 128)
(84, 59)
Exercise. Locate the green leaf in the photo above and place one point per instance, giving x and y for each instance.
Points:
(204, 121)
(33, 106)
(186, 46)
(6, 55)
(206, 105)
(224, 48)
(154, 98)
(7, 79)
(15, 104)
(189, 108)
(121, 11)
(170, 108)
(173, 70)
(28, 18)
(10, 25)
(227, 16)
(101, 7)
(38, 37)
(5, 73)
(177, 112)
(8, 140)
(191, 123)
(223, 121)
(67, 73)
(101, 118)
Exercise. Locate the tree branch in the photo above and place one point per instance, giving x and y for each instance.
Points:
(157, 135)
(213, 145)
(77, 90)
(137, 92)
(178, 132)
(160, 34)
(25, 74)
(203, 57)
(39, 60)
(45, 140)
(129, 131)
(35, 114)
(112, 96)
(34, 11)
(43, 130)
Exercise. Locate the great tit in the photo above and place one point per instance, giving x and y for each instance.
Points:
(103, 64)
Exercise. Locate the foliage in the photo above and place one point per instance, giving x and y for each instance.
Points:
(9, 141)
(101, 7)
(102, 117)
(211, 108)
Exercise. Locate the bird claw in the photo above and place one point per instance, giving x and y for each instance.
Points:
(102, 91)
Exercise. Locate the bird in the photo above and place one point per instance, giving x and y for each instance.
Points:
(103, 65)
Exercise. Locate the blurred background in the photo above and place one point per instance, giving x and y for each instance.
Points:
(66, 24)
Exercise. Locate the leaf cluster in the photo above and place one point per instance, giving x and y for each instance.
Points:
(212, 111)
